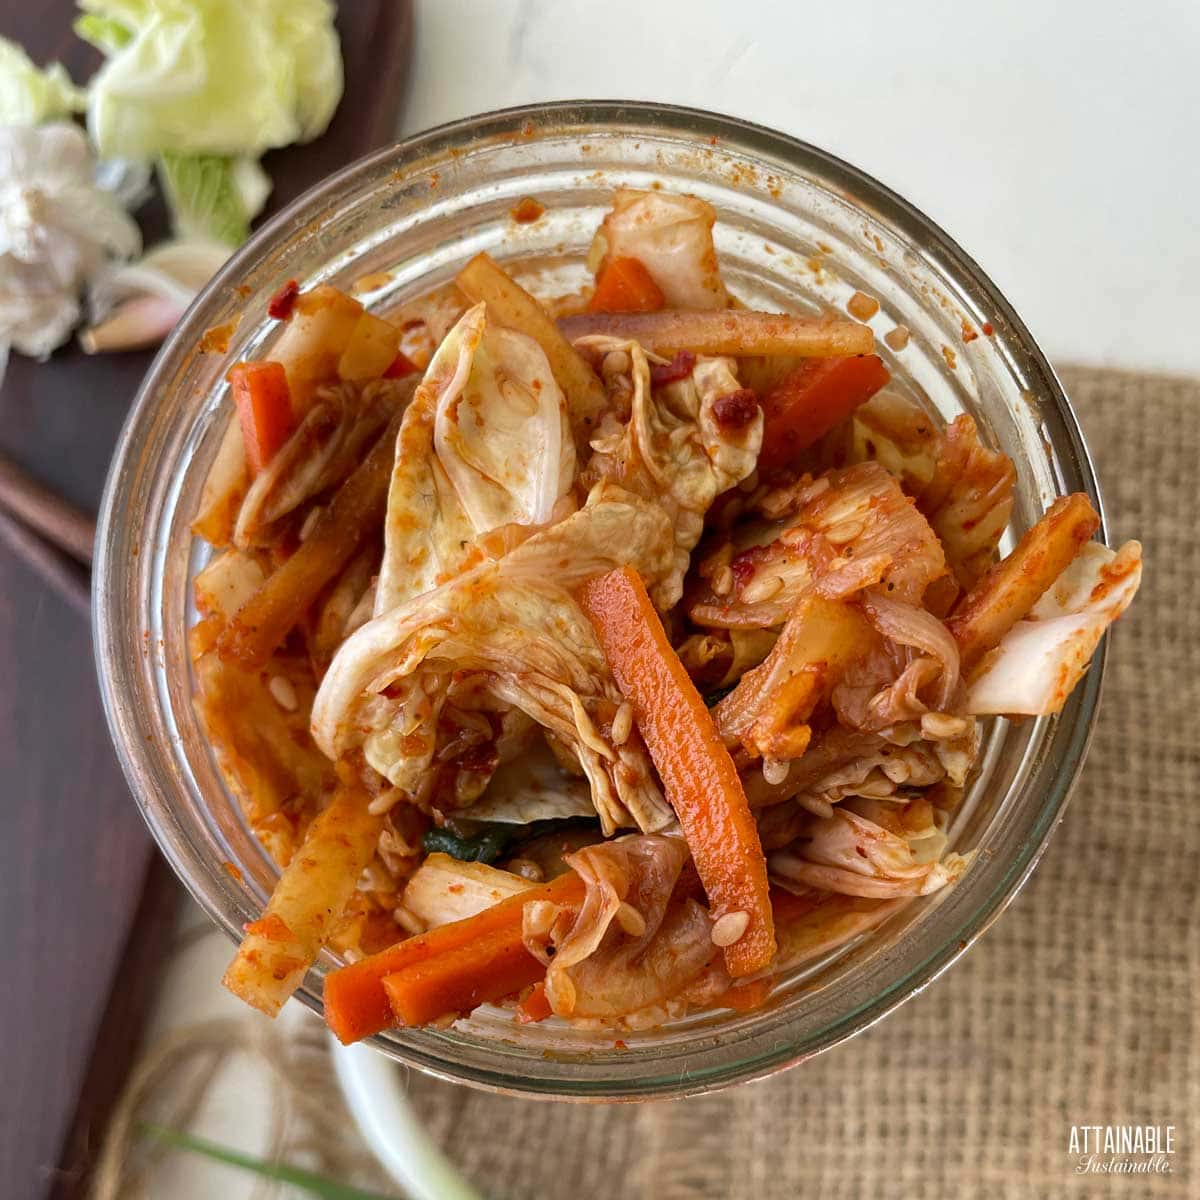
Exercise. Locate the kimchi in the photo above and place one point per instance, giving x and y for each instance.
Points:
(602, 659)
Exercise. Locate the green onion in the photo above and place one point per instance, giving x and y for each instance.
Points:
(492, 840)
(315, 1185)
(485, 847)
(715, 697)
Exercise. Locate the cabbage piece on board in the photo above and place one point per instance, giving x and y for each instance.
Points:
(29, 96)
(210, 76)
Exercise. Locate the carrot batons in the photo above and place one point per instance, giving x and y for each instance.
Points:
(811, 399)
(698, 774)
(357, 1004)
(624, 285)
(1014, 585)
(460, 980)
(354, 513)
(264, 407)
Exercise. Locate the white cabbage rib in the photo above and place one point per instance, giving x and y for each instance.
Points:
(500, 429)
(1037, 663)
(908, 625)
(484, 443)
(844, 531)
(671, 236)
(514, 622)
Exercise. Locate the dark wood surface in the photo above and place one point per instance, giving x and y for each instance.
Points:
(75, 857)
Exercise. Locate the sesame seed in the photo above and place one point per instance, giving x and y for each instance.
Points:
(630, 920)
(283, 693)
(527, 869)
(942, 726)
(407, 920)
(729, 928)
(311, 518)
(622, 724)
(765, 587)
(775, 772)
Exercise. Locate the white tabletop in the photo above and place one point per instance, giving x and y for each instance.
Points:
(1058, 143)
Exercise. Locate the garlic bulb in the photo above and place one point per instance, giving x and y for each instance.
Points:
(57, 230)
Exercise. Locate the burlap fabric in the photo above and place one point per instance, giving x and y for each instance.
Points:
(1077, 1008)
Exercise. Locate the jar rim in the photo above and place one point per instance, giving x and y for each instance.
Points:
(128, 599)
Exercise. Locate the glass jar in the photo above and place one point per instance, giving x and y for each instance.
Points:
(798, 228)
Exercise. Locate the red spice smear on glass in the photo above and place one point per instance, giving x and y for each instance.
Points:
(281, 304)
(527, 210)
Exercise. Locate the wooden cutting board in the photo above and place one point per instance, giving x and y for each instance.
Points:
(75, 858)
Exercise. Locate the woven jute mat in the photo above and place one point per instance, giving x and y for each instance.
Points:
(1078, 1008)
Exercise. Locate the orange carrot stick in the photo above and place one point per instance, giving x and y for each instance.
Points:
(356, 1004)
(744, 997)
(699, 776)
(624, 285)
(811, 399)
(351, 516)
(486, 970)
(1014, 585)
(264, 408)
(534, 1005)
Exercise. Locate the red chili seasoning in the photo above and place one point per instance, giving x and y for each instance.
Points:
(743, 568)
(988, 331)
(401, 365)
(735, 410)
(680, 367)
(281, 304)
